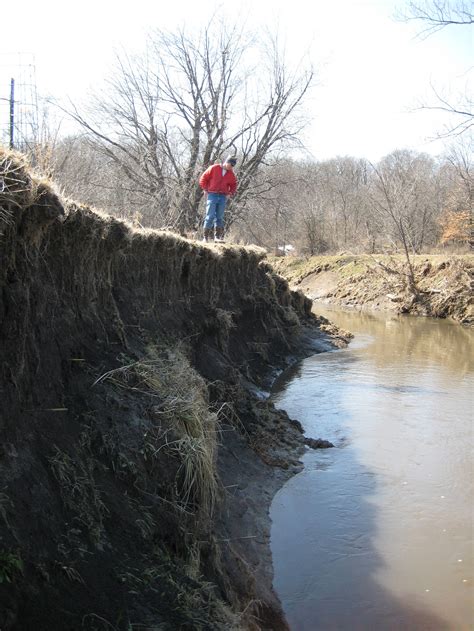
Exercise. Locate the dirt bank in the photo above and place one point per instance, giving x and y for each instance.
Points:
(444, 283)
(138, 456)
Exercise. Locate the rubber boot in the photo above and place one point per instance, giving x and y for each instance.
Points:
(219, 235)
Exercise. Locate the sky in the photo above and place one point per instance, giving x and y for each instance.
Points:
(373, 72)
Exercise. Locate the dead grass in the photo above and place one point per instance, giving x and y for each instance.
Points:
(186, 429)
(20, 186)
(11, 566)
(5, 505)
(195, 602)
(79, 491)
(296, 269)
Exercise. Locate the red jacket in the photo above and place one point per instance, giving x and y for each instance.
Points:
(212, 180)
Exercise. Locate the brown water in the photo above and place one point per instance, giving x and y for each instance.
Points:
(378, 533)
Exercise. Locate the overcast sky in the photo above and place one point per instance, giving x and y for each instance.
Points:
(372, 70)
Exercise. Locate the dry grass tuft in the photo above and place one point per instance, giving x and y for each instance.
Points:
(20, 187)
(14, 184)
(79, 491)
(187, 427)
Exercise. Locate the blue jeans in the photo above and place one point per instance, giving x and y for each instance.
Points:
(215, 210)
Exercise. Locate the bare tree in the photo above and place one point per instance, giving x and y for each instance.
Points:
(187, 101)
(462, 111)
(268, 217)
(436, 15)
(343, 180)
(399, 195)
(312, 213)
(458, 202)
(346, 203)
(312, 220)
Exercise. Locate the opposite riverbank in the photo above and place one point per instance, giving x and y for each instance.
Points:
(444, 283)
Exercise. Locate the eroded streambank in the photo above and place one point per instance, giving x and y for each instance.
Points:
(444, 283)
(137, 456)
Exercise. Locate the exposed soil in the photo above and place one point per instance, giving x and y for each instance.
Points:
(138, 456)
(444, 283)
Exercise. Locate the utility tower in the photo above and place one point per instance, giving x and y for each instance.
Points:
(19, 124)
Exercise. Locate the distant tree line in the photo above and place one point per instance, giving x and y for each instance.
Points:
(408, 201)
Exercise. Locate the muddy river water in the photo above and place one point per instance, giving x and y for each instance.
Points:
(378, 532)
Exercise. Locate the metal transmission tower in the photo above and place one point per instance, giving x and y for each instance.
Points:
(19, 124)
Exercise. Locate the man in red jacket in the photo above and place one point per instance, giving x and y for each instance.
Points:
(219, 182)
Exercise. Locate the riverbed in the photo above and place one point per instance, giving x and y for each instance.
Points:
(377, 532)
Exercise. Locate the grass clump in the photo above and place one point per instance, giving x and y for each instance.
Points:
(11, 567)
(19, 187)
(189, 601)
(79, 492)
(185, 428)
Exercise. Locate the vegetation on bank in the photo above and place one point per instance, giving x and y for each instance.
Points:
(443, 283)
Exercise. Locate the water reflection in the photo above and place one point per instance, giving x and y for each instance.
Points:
(378, 532)
(439, 342)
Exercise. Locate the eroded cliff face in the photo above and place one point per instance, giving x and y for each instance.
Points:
(137, 461)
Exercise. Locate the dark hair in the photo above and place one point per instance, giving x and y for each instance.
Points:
(231, 160)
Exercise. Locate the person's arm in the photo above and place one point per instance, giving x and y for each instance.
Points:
(204, 179)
